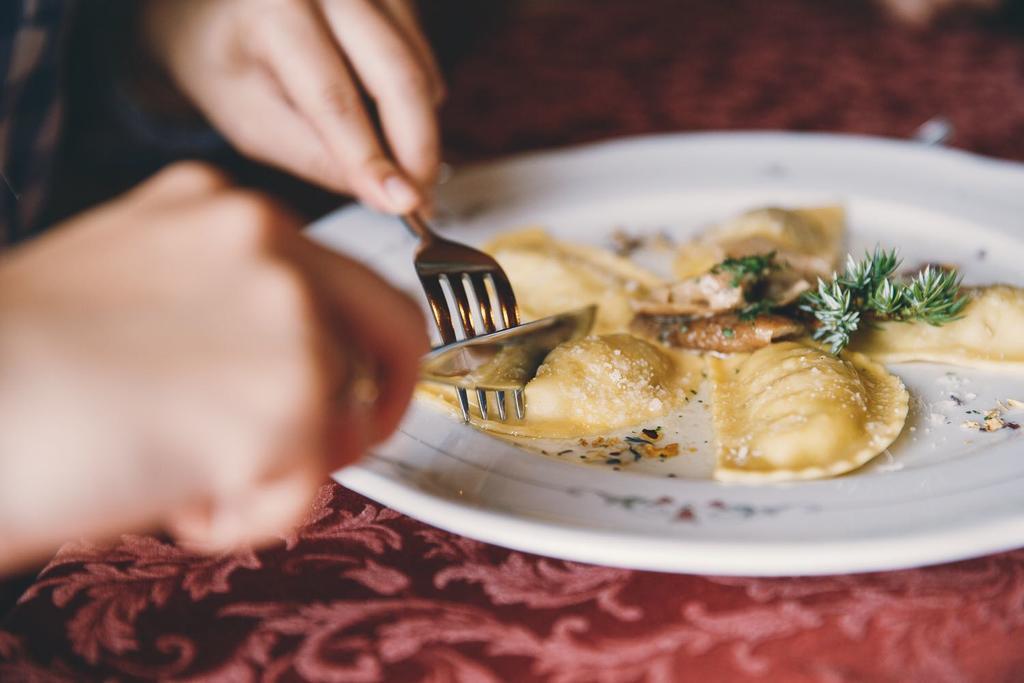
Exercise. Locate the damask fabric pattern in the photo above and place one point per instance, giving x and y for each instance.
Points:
(362, 593)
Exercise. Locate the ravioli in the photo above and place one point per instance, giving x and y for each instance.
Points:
(807, 240)
(791, 411)
(551, 277)
(990, 335)
(596, 384)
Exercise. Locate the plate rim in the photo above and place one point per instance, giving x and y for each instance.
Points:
(649, 553)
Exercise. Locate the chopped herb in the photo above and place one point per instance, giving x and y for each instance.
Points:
(613, 461)
(636, 439)
(755, 267)
(728, 332)
(567, 450)
(652, 434)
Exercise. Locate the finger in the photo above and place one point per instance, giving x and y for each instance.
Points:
(256, 516)
(382, 322)
(390, 70)
(403, 14)
(300, 52)
(183, 181)
(271, 131)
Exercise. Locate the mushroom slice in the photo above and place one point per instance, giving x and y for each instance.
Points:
(725, 333)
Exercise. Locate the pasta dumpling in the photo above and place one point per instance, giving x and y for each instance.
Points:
(989, 335)
(807, 240)
(551, 277)
(597, 384)
(791, 411)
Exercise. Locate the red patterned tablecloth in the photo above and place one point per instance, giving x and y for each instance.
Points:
(362, 593)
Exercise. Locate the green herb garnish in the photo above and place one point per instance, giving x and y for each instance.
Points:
(933, 296)
(868, 290)
(728, 332)
(756, 267)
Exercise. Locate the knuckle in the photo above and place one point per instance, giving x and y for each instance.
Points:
(194, 176)
(250, 220)
(198, 172)
(340, 100)
(412, 81)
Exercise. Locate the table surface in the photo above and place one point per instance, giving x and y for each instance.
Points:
(362, 593)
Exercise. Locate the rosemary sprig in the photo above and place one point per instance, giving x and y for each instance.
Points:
(833, 305)
(887, 298)
(933, 296)
(868, 289)
(864, 277)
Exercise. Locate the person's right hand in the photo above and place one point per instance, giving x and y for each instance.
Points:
(183, 355)
(284, 80)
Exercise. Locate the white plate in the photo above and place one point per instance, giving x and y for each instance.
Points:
(942, 493)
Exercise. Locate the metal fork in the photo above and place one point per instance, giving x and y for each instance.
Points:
(468, 274)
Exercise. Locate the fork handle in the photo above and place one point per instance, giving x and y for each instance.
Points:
(417, 226)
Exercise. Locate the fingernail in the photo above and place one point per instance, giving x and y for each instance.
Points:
(402, 195)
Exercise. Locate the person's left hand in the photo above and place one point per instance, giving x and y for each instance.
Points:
(283, 80)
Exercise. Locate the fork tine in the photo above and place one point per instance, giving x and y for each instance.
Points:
(463, 403)
(481, 401)
(443, 319)
(500, 403)
(520, 403)
(439, 307)
(483, 300)
(510, 316)
(457, 284)
(506, 298)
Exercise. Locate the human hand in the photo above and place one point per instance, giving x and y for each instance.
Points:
(283, 81)
(922, 12)
(183, 355)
